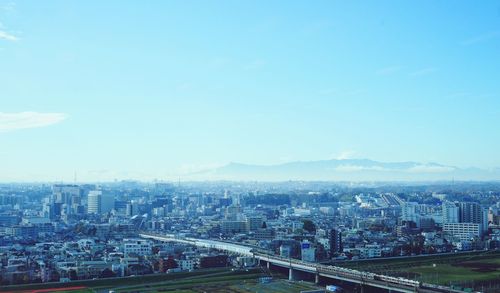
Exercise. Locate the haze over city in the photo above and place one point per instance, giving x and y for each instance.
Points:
(164, 89)
(283, 146)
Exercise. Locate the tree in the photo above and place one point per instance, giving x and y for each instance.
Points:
(264, 225)
(107, 273)
(54, 276)
(72, 275)
(170, 263)
(309, 226)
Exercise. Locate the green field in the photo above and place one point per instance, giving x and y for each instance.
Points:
(217, 280)
(478, 270)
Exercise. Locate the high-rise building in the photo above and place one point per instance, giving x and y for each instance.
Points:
(93, 202)
(335, 239)
(451, 212)
(233, 212)
(472, 212)
(52, 210)
(100, 203)
(133, 208)
(107, 203)
(163, 189)
(410, 212)
(67, 193)
(254, 223)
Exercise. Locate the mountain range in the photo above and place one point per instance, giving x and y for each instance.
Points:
(347, 170)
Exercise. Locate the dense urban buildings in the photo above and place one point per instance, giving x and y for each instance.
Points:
(68, 232)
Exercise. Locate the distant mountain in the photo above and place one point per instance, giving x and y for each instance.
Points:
(347, 170)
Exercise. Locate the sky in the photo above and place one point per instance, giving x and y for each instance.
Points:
(159, 89)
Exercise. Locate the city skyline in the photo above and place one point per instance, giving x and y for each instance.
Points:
(249, 146)
(131, 91)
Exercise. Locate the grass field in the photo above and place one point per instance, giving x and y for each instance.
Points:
(478, 270)
(205, 281)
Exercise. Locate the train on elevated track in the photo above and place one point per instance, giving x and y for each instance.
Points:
(346, 273)
(356, 275)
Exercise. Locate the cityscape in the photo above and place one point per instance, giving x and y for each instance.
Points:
(69, 232)
(223, 146)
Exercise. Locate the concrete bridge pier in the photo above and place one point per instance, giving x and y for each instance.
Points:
(316, 279)
(291, 274)
(268, 265)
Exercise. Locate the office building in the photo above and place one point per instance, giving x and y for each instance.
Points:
(228, 227)
(100, 203)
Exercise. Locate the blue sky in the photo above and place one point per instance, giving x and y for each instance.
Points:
(156, 89)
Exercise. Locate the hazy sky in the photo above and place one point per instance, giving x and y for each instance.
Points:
(154, 89)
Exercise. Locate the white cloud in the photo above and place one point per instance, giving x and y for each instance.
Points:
(347, 154)
(8, 7)
(6, 36)
(354, 168)
(23, 120)
(423, 168)
(430, 169)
